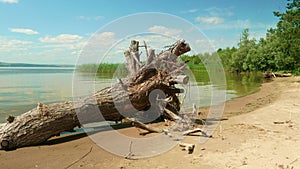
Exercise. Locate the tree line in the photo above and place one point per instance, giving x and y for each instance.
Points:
(279, 50)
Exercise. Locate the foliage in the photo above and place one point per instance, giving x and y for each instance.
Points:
(279, 50)
(194, 62)
(101, 68)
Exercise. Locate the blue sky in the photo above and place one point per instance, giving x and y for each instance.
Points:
(56, 31)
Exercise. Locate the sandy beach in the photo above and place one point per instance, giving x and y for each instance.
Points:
(262, 131)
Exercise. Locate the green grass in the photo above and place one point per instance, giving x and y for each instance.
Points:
(113, 67)
(101, 68)
(196, 67)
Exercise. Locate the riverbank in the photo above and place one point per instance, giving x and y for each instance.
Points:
(262, 131)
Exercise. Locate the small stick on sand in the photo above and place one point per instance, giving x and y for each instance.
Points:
(80, 158)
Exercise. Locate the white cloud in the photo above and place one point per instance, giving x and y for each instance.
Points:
(209, 19)
(165, 31)
(63, 45)
(96, 47)
(238, 24)
(63, 48)
(9, 1)
(25, 31)
(7, 45)
(103, 40)
(106, 47)
(91, 18)
(190, 11)
(104, 36)
(62, 38)
(224, 12)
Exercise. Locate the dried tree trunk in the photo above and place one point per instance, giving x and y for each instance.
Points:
(124, 99)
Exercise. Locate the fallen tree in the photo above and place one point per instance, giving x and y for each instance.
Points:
(148, 92)
(270, 74)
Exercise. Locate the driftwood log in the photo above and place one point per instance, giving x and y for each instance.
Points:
(270, 74)
(131, 97)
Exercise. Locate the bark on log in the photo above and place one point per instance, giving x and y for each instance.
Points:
(124, 99)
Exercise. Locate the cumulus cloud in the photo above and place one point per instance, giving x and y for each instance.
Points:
(96, 47)
(101, 40)
(25, 31)
(209, 19)
(7, 45)
(62, 38)
(9, 1)
(62, 44)
(165, 31)
(103, 36)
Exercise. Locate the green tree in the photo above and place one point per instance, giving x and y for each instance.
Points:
(226, 56)
(239, 57)
(279, 50)
(288, 32)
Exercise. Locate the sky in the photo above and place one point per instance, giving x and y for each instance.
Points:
(89, 31)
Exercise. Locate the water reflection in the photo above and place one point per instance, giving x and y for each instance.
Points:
(22, 88)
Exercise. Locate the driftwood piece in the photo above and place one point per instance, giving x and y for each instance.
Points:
(144, 126)
(196, 130)
(270, 74)
(172, 116)
(124, 99)
(38, 125)
(187, 147)
(181, 79)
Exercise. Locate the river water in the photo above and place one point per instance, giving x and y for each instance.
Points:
(21, 88)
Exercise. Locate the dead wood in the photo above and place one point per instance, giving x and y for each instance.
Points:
(187, 147)
(144, 126)
(196, 130)
(123, 100)
(270, 74)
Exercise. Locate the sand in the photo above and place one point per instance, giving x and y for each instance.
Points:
(262, 131)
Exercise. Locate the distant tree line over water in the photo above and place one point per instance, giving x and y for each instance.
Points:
(101, 68)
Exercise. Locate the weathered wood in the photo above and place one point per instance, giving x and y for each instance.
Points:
(151, 57)
(10, 119)
(36, 126)
(270, 74)
(181, 79)
(144, 126)
(196, 130)
(187, 147)
(172, 116)
(124, 99)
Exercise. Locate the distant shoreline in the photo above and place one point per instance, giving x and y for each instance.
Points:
(4, 64)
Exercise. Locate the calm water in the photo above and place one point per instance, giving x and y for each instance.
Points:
(22, 88)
